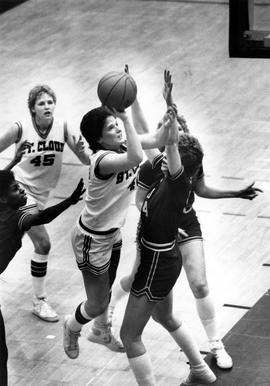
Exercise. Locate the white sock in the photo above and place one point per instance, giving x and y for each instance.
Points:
(39, 282)
(200, 369)
(142, 370)
(102, 320)
(207, 314)
(187, 343)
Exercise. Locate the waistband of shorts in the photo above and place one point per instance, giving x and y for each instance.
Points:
(89, 230)
(158, 247)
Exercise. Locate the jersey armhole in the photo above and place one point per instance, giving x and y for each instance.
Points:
(96, 168)
(65, 131)
(20, 129)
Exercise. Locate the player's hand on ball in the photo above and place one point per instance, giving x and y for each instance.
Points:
(78, 192)
(118, 114)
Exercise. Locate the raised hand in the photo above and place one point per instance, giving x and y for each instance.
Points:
(21, 150)
(250, 192)
(171, 125)
(167, 88)
(79, 144)
(78, 192)
(118, 114)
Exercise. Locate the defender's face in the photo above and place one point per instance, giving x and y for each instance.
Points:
(16, 196)
(112, 136)
(44, 107)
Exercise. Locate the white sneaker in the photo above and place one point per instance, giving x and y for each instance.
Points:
(70, 340)
(43, 310)
(105, 337)
(202, 377)
(223, 359)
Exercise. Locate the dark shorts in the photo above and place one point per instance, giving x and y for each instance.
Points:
(192, 227)
(157, 273)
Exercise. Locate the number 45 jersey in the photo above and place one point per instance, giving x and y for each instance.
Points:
(40, 166)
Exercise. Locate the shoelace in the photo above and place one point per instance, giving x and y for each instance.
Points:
(73, 338)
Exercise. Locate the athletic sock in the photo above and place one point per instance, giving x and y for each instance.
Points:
(38, 271)
(78, 319)
(187, 343)
(207, 314)
(142, 370)
(102, 320)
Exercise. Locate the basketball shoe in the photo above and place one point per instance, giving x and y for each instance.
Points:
(102, 334)
(43, 310)
(202, 376)
(223, 359)
(70, 340)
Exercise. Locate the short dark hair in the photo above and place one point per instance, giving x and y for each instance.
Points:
(35, 93)
(6, 179)
(191, 153)
(92, 125)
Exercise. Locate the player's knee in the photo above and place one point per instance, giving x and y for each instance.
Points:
(42, 245)
(166, 321)
(95, 308)
(200, 289)
(129, 337)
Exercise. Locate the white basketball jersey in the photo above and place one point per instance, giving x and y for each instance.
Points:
(40, 167)
(107, 199)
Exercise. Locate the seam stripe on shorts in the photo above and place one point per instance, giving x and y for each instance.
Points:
(87, 266)
(86, 248)
(153, 269)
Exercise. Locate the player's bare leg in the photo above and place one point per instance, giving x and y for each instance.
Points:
(194, 264)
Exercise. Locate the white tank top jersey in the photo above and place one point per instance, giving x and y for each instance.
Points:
(108, 199)
(41, 165)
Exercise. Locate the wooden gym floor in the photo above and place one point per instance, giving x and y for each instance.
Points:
(70, 45)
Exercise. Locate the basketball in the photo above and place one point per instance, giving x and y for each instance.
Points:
(117, 89)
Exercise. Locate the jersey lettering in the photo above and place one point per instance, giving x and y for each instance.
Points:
(189, 202)
(121, 176)
(46, 160)
(51, 145)
(144, 208)
(132, 185)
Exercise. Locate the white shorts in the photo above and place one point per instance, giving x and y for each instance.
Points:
(93, 251)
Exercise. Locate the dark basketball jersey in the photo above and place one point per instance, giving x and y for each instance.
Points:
(11, 232)
(151, 173)
(164, 205)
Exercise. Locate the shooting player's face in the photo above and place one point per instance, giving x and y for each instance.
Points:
(112, 136)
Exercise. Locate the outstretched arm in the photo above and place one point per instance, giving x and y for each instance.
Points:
(9, 137)
(78, 148)
(249, 192)
(167, 95)
(49, 214)
(171, 149)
